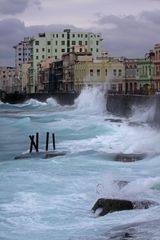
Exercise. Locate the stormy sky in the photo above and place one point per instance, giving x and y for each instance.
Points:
(129, 28)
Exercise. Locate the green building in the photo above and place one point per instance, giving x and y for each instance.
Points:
(145, 70)
(55, 44)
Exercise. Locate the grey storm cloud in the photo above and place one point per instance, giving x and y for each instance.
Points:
(130, 35)
(127, 36)
(13, 31)
(13, 7)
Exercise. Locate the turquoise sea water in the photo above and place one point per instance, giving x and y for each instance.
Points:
(44, 199)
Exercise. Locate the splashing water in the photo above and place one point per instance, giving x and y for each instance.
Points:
(91, 100)
(52, 198)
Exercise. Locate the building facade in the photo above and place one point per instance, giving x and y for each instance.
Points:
(103, 72)
(145, 71)
(22, 76)
(43, 74)
(22, 52)
(8, 81)
(53, 44)
(156, 61)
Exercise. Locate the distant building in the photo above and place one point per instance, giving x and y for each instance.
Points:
(22, 77)
(22, 52)
(43, 74)
(77, 56)
(145, 71)
(56, 78)
(106, 72)
(156, 61)
(55, 44)
(8, 81)
(130, 78)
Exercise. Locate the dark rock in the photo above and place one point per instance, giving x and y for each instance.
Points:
(113, 205)
(129, 157)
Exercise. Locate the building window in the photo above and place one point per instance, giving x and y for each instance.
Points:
(53, 35)
(73, 35)
(98, 72)
(97, 42)
(80, 43)
(36, 57)
(106, 72)
(91, 49)
(55, 50)
(56, 35)
(78, 35)
(86, 43)
(114, 72)
(62, 35)
(37, 43)
(49, 50)
(56, 42)
(62, 42)
(91, 72)
(113, 87)
(63, 50)
(73, 42)
(97, 50)
(119, 72)
(43, 56)
(43, 49)
(49, 42)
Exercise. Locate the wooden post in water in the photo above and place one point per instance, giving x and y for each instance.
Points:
(53, 140)
(47, 140)
(33, 143)
(37, 141)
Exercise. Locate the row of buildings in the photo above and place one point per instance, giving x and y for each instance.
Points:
(69, 61)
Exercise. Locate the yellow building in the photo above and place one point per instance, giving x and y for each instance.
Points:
(106, 72)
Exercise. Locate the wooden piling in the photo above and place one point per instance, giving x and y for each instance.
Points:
(47, 140)
(53, 140)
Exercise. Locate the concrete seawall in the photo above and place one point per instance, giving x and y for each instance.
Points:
(63, 98)
(122, 105)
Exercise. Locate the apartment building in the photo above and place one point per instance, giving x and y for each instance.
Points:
(8, 81)
(22, 52)
(55, 44)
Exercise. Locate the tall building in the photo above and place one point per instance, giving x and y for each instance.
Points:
(22, 52)
(55, 44)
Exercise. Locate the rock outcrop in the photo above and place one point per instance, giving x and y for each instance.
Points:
(113, 205)
(129, 157)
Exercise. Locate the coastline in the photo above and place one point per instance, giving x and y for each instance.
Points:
(63, 98)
